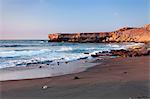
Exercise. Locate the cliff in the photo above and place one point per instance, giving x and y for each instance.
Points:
(127, 34)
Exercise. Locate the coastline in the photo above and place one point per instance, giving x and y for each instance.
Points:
(74, 49)
(57, 68)
(114, 78)
(43, 70)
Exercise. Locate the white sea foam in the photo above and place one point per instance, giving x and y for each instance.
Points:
(22, 53)
(20, 56)
(64, 48)
(133, 44)
(114, 45)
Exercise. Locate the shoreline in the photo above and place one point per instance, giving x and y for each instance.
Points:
(43, 70)
(114, 78)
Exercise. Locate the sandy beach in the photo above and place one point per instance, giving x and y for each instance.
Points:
(114, 78)
(74, 49)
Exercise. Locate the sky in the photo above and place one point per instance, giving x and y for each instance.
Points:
(35, 19)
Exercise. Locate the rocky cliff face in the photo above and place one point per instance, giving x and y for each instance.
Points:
(126, 34)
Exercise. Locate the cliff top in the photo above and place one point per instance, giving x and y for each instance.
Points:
(125, 34)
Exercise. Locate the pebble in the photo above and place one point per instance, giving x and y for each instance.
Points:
(45, 87)
(76, 77)
(40, 66)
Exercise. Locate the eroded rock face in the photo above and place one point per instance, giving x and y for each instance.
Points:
(79, 37)
(147, 26)
(127, 34)
(131, 35)
(53, 37)
(133, 51)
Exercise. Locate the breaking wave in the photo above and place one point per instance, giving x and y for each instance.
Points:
(23, 53)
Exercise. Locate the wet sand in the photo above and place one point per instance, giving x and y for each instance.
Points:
(117, 78)
(43, 70)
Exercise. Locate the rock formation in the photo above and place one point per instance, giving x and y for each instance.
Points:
(133, 51)
(127, 34)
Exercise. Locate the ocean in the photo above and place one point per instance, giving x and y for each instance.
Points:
(24, 52)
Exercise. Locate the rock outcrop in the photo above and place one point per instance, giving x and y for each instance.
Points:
(127, 34)
(79, 37)
(133, 51)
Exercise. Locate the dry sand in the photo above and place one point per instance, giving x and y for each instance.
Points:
(118, 78)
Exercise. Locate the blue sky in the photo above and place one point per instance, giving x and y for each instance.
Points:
(35, 19)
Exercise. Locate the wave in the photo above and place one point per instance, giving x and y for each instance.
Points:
(31, 52)
(114, 45)
(41, 60)
(16, 53)
(12, 45)
(64, 48)
(59, 52)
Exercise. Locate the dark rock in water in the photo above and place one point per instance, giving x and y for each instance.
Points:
(23, 63)
(76, 77)
(62, 58)
(82, 58)
(66, 62)
(94, 55)
(121, 52)
(47, 62)
(29, 64)
(105, 51)
(57, 63)
(39, 62)
(86, 53)
(43, 41)
(101, 54)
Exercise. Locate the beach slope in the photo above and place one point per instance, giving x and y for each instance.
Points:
(116, 78)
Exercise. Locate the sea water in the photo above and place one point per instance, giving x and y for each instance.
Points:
(24, 52)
